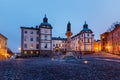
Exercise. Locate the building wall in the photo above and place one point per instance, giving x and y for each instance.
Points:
(3, 44)
(58, 44)
(29, 40)
(111, 41)
(104, 44)
(45, 39)
(3, 47)
(83, 42)
(87, 41)
(36, 40)
(97, 45)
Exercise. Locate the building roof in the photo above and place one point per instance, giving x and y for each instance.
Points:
(45, 23)
(86, 29)
(33, 28)
(58, 38)
(75, 36)
(3, 36)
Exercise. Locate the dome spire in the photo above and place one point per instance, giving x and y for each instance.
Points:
(45, 19)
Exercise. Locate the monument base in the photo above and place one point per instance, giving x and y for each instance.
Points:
(69, 56)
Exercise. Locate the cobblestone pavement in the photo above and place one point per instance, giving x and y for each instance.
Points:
(87, 68)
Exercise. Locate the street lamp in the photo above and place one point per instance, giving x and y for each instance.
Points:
(19, 49)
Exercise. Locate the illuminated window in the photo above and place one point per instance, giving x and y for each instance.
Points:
(102, 37)
(31, 52)
(31, 46)
(25, 52)
(37, 52)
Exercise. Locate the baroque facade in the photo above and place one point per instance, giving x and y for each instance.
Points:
(84, 40)
(39, 39)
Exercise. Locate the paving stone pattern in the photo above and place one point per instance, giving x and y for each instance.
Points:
(47, 69)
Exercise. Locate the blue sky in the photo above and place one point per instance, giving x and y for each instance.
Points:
(99, 15)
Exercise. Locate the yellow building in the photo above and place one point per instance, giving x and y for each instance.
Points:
(103, 38)
(3, 46)
(97, 45)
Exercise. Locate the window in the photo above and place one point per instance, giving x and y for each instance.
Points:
(37, 46)
(31, 46)
(46, 45)
(25, 38)
(37, 39)
(88, 34)
(31, 39)
(31, 52)
(88, 40)
(45, 37)
(25, 32)
(37, 52)
(31, 32)
(46, 31)
(25, 45)
(59, 45)
(25, 52)
(37, 32)
(56, 45)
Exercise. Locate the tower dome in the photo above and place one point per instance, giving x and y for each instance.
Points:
(85, 29)
(45, 23)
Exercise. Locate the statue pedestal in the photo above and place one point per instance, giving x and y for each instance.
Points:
(69, 56)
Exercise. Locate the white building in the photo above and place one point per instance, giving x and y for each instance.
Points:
(84, 40)
(58, 44)
(37, 40)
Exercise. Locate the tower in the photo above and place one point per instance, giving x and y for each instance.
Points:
(68, 34)
(87, 39)
(45, 35)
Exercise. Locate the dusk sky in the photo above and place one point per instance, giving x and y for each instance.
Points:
(99, 15)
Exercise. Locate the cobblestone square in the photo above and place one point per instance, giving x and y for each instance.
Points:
(87, 68)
